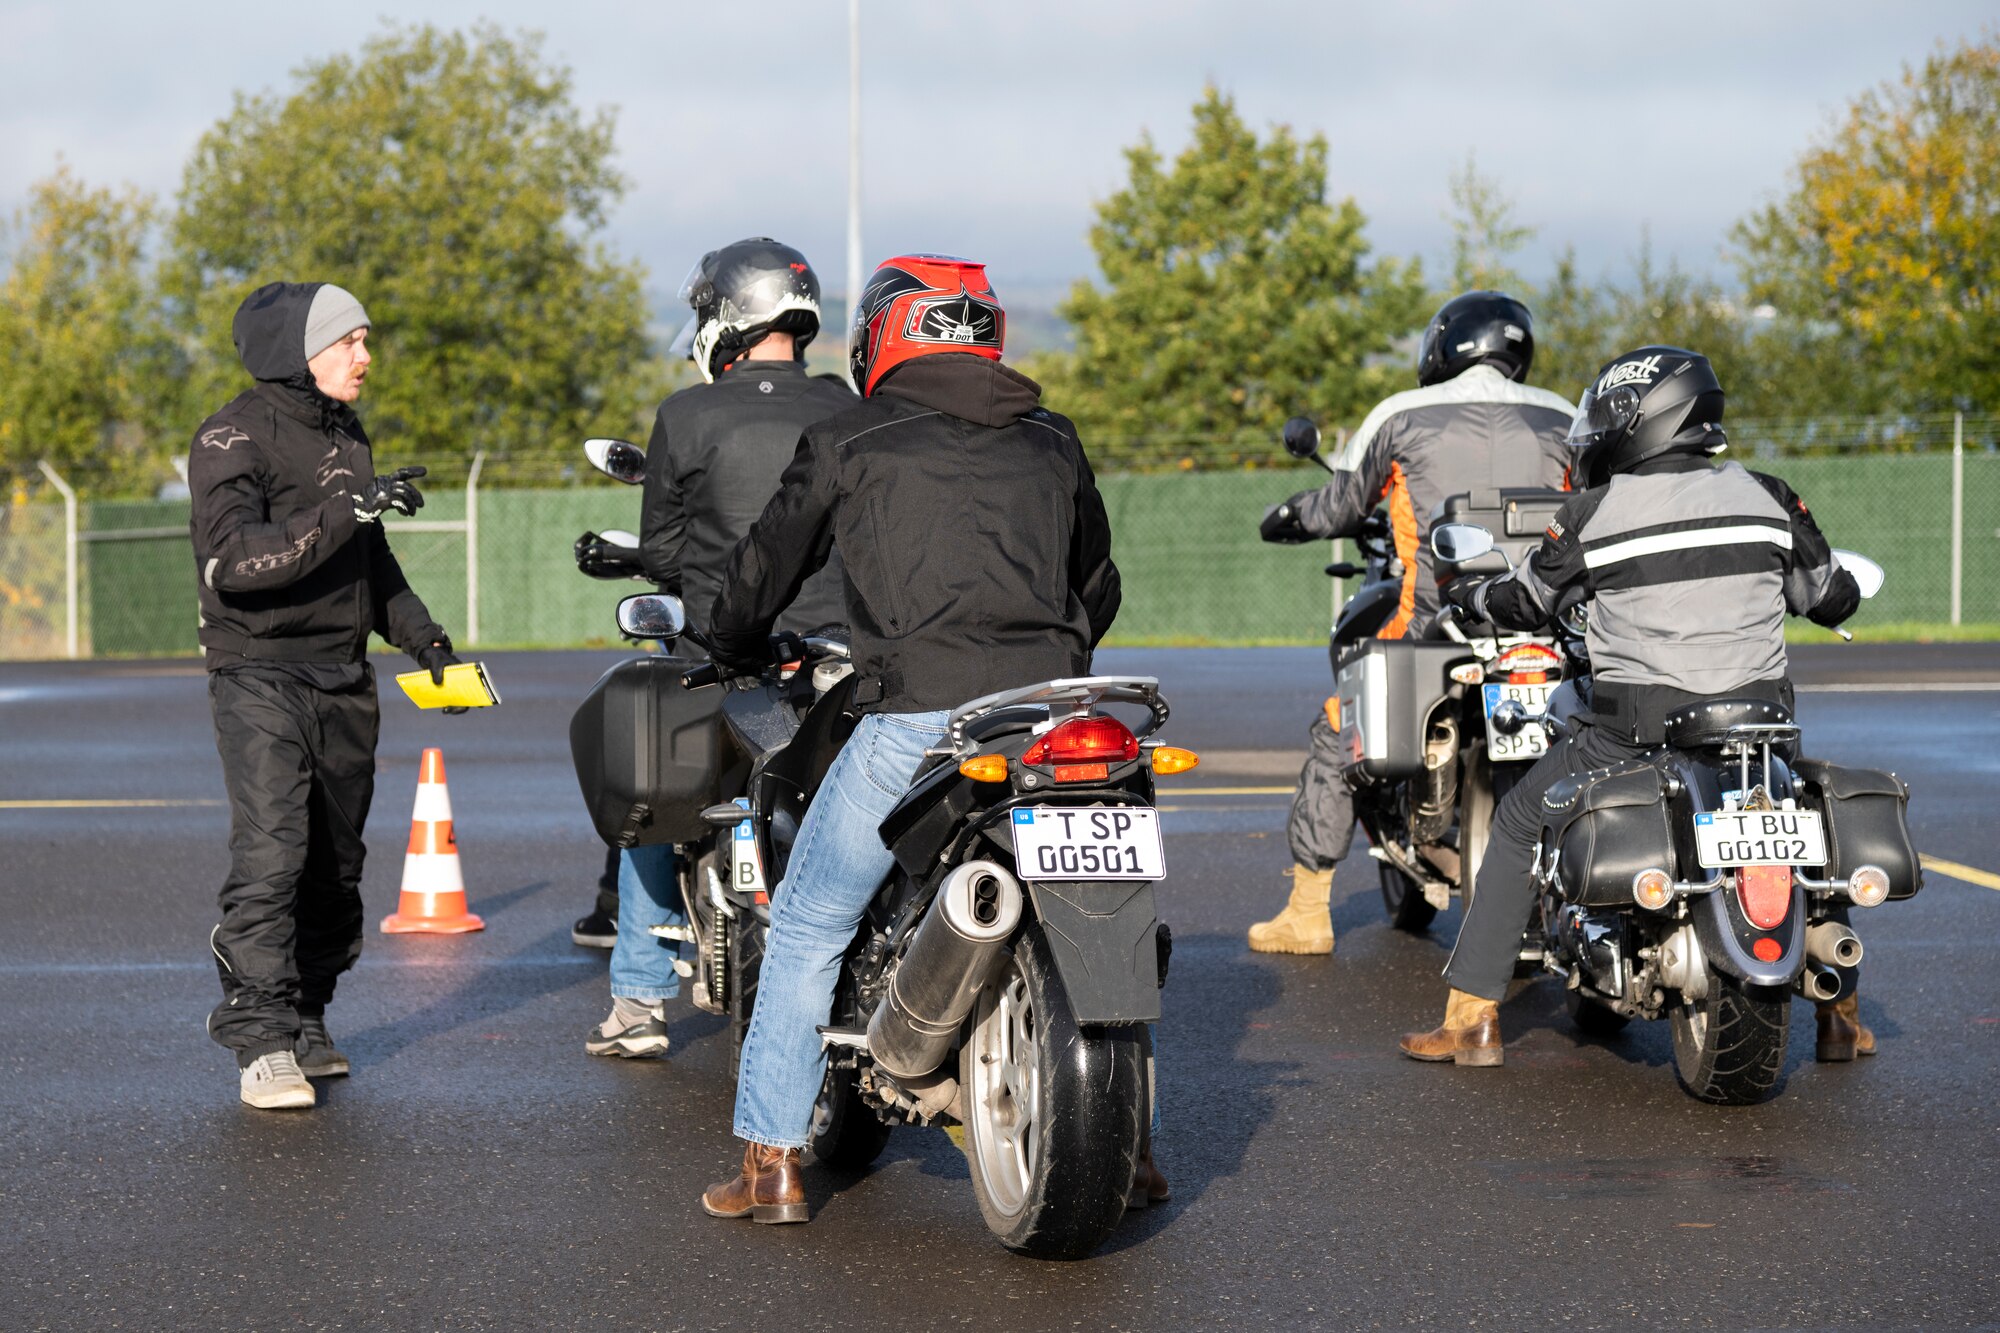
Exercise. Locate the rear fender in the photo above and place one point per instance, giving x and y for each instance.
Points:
(1103, 936)
(1726, 934)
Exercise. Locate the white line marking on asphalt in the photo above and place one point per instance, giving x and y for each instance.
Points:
(1906, 687)
(96, 805)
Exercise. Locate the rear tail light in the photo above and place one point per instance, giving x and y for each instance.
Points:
(1868, 886)
(1095, 741)
(1766, 894)
(1528, 664)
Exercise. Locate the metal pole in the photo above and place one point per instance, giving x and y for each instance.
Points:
(472, 548)
(69, 549)
(853, 158)
(1957, 515)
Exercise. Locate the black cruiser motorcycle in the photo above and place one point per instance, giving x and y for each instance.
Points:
(1710, 882)
(1435, 728)
(1003, 977)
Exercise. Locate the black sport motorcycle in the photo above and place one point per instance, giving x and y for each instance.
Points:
(1434, 729)
(1709, 882)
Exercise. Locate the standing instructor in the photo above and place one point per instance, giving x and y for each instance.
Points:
(293, 572)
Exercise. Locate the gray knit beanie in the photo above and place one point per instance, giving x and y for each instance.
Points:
(334, 314)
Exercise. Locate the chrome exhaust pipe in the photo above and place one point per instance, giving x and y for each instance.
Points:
(956, 947)
(1830, 944)
(1819, 984)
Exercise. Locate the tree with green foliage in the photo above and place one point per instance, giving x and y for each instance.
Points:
(449, 182)
(87, 357)
(1885, 255)
(1484, 235)
(1235, 295)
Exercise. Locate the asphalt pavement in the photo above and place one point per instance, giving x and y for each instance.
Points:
(478, 1170)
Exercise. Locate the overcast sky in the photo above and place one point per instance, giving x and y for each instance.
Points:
(989, 129)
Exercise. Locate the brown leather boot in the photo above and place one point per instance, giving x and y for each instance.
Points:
(1149, 1183)
(1841, 1036)
(1306, 924)
(1470, 1034)
(769, 1190)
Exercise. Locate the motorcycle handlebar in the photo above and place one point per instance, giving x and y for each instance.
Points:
(701, 677)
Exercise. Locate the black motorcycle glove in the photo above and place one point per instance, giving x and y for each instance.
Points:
(435, 659)
(1841, 600)
(391, 492)
(1463, 593)
(1282, 523)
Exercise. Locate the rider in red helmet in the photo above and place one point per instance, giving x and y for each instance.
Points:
(978, 559)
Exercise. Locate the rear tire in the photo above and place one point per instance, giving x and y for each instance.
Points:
(746, 963)
(1593, 1018)
(1729, 1047)
(1404, 898)
(1055, 1112)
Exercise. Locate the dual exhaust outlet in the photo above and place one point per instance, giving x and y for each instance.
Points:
(958, 944)
(1829, 945)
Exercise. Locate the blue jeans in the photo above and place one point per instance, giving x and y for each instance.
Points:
(837, 864)
(649, 894)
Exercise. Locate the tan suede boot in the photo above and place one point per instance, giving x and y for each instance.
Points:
(1470, 1034)
(1841, 1035)
(1306, 924)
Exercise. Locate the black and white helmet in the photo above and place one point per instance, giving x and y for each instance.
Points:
(1645, 404)
(741, 293)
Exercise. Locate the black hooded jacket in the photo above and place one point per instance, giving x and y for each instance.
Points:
(285, 571)
(977, 550)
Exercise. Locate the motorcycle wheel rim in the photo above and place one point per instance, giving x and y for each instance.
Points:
(1006, 1079)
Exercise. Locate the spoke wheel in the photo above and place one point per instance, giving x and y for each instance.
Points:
(1053, 1110)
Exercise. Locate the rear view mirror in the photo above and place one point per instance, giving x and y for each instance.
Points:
(1301, 438)
(1865, 571)
(620, 460)
(652, 615)
(1456, 543)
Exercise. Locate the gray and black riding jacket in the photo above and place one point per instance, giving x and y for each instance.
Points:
(1476, 430)
(1689, 570)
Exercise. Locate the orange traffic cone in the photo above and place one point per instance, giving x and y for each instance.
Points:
(433, 888)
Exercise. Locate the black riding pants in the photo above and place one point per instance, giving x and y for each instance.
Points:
(1489, 941)
(299, 766)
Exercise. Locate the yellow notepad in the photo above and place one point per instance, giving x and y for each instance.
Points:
(465, 686)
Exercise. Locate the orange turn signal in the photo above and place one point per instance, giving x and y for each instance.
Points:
(985, 768)
(1172, 759)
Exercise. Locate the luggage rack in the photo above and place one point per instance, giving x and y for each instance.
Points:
(1081, 693)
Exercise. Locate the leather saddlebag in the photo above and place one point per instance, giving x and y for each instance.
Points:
(1606, 828)
(1867, 822)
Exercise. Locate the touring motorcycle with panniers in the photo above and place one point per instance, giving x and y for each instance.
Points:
(1005, 974)
(1433, 730)
(1711, 881)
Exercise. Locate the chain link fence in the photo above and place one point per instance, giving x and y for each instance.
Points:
(85, 575)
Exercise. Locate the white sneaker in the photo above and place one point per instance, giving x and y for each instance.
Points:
(273, 1083)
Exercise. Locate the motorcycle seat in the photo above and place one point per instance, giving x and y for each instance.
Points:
(1709, 723)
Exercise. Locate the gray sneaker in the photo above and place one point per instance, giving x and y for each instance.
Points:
(635, 1029)
(317, 1056)
(273, 1083)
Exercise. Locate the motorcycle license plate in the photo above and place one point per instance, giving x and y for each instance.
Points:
(1530, 742)
(1759, 838)
(746, 863)
(1071, 842)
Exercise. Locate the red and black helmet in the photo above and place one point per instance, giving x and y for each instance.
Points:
(915, 305)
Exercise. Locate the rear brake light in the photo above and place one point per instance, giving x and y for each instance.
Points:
(1527, 657)
(1766, 894)
(1085, 740)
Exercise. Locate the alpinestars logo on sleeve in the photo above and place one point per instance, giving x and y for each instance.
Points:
(1641, 371)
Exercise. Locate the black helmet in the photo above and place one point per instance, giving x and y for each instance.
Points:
(1646, 404)
(742, 292)
(1478, 328)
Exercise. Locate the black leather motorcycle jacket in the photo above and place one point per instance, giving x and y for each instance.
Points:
(716, 454)
(978, 554)
(285, 571)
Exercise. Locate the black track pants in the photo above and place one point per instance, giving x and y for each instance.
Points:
(1489, 941)
(299, 766)
(607, 885)
(1322, 823)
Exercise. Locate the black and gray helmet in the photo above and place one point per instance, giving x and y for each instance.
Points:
(1478, 328)
(1643, 405)
(741, 293)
